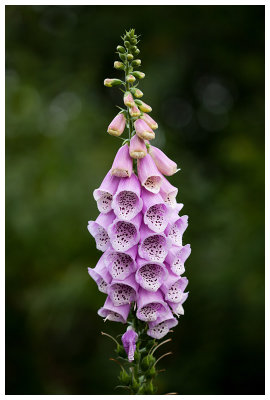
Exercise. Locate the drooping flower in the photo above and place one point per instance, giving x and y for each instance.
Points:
(159, 328)
(122, 164)
(125, 234)
(128, 99)
(137, 147)
(129, 340)
(150, 305)
(149, 120)
(176, 258)
(121, 264)
(104, 194)
(117, 126)
(114, 313)
(164, 164)
(143, 130)
(99, 230)
(155, 211)
(101, 275)
(122, 293)
(149, 175)
(150, 275)
(153, 246)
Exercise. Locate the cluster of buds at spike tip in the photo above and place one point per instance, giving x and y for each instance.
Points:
(139, 229)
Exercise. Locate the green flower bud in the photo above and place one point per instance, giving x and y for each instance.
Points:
(127, 44)
(136, 63)
(130, 78)
(133, 40)
(151, 372)
(147, 362)
(135, 385)
(112, 82)
(136, 92)
(118, 65)
(138, 74)
(149, 388)
(122, 57)
(130, 57)
(120, 351)
(121, 49)
(137, 51)
(124, 377)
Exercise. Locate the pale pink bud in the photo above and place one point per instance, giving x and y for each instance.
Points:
(112, 82)
(137, 147)
(117, 126)
(134, 111)
(122, 164)
(128, 99)
(143, 130)
(150, 122)
(164, 164)
(130, 79)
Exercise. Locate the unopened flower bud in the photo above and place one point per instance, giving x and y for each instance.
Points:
(164, 164)
(121, 49)
(127, 44)
(152, 123)
(130, 57)
(122, 57)
(122, 164)
(130, 78)
(138, 74)
(118, 65)
(137, 147)
(133, 41)
(137, 51)
(136, 63)
(143, 106)
(124, 377)
(112, 82)
(137, 92)
(147, 362)
(117, 126)
(143, 130)
(128, 100)
(134, 111)
(129, 342)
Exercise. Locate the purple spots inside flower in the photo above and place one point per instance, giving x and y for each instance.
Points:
(153, 248)
(177, 266)
(122, 294)
(121, 265)
(153, 183)
(150, 276)
(102, 286)
(175, 235)
(102, 239)
(114, 316)
(127, 205)
(104, 202)
(170, 199)
(124, 236)
(159, 331)
(149, 312)
(155, 217)
(175, 293)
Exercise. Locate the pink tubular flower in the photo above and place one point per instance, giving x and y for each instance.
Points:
(117, 126)
(159, 328)
(150, 122)
(144, 107)
(127, 202)
(155, 211)
(128, 100)
(122, 165)
(177, 308)
(150, 275)
(125, 234)
(176, 258)
(121, 264)
(164, 164)
(150, 305)
(143, 130)
(101, 275)
(114, 313)
(134, 111)
(129, 340)
(104, 194)
(122, 293)
(137, 147)
(176, 227)
(149, 175)
(168, 193)
(173, 288)
(99, 228)
(153, 246)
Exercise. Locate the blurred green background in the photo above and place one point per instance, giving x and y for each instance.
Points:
(204, 70)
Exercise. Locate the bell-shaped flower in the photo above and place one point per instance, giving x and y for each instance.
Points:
(125, 234)
(127, 202)
(143, 130)
(104, 194)
(177, 308)
(164, 164)
(117, 126)
(176, 258)
(114, 313)
(129, 340)
(150, 305)
(137, 147)
(150, 122)
(168, 193)
(150, 275)
(121, 264)
(122, 164)
(149, 175)
(173, 288)
(99, 229)
(101, 275)
(159, 328)
(128, 100)
(176, 227)
(155, 211)
(153, 246)
(123, 292)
